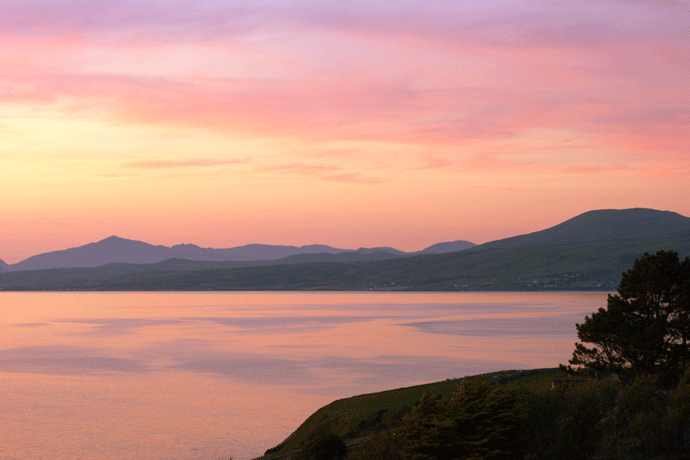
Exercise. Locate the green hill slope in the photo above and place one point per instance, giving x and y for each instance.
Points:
(600, 225)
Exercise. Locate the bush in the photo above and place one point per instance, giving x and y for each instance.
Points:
(566, 422)
(325, 447)
(478, 422)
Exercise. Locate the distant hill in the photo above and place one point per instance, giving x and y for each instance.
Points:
(115, 249)
(120, 250)
(3, 266)
(586, 266)
(58, 275)
(341, 257)
(109, 250)
(607, 225)
(381, 249)
(452, 246)
(600, 225)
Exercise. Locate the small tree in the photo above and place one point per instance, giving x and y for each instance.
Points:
(645, 327)
(478, 422)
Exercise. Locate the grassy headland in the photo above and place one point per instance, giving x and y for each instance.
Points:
(363, 418)
(538, 414)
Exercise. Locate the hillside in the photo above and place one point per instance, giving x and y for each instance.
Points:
(510, 415)
(451, 246)
(597, 226)
(364, 418)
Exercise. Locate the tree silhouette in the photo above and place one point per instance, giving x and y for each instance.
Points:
(645, 328)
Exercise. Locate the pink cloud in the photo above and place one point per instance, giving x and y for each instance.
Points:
(354, 178)
(302, 168)
(591, 69)
(434, 162)
(131, 23)
(323, 171)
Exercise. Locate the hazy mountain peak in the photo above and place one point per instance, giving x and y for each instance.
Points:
(186, 246)
(116, 239)
(115, 249)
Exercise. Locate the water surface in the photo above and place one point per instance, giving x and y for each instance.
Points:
(209, 375)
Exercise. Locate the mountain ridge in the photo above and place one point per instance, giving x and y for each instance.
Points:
(576, 267)
(115, 249)
(589, 227)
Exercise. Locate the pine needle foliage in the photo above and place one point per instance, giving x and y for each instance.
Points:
(645, 328)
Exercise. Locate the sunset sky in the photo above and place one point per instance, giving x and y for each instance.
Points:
(347, 123)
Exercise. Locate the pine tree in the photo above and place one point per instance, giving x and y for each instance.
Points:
(645, 328)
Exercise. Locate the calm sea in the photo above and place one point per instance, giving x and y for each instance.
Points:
(206, 376)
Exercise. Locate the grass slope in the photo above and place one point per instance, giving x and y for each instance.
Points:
(363, 417)
(600, 225)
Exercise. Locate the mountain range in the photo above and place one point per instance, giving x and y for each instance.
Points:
(120, 250)
(586, 252)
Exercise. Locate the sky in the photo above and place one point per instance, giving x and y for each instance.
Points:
(347, 123)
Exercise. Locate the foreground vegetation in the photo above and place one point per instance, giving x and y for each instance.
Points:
(626, 396)
(520, 419)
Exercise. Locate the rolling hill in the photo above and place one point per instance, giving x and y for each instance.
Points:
(451, 246)
(597, 226)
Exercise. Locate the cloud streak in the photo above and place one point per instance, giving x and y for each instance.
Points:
(587, 85)
(322, 171)
(173, 164)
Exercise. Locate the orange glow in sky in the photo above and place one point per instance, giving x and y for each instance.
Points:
(350, 124)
